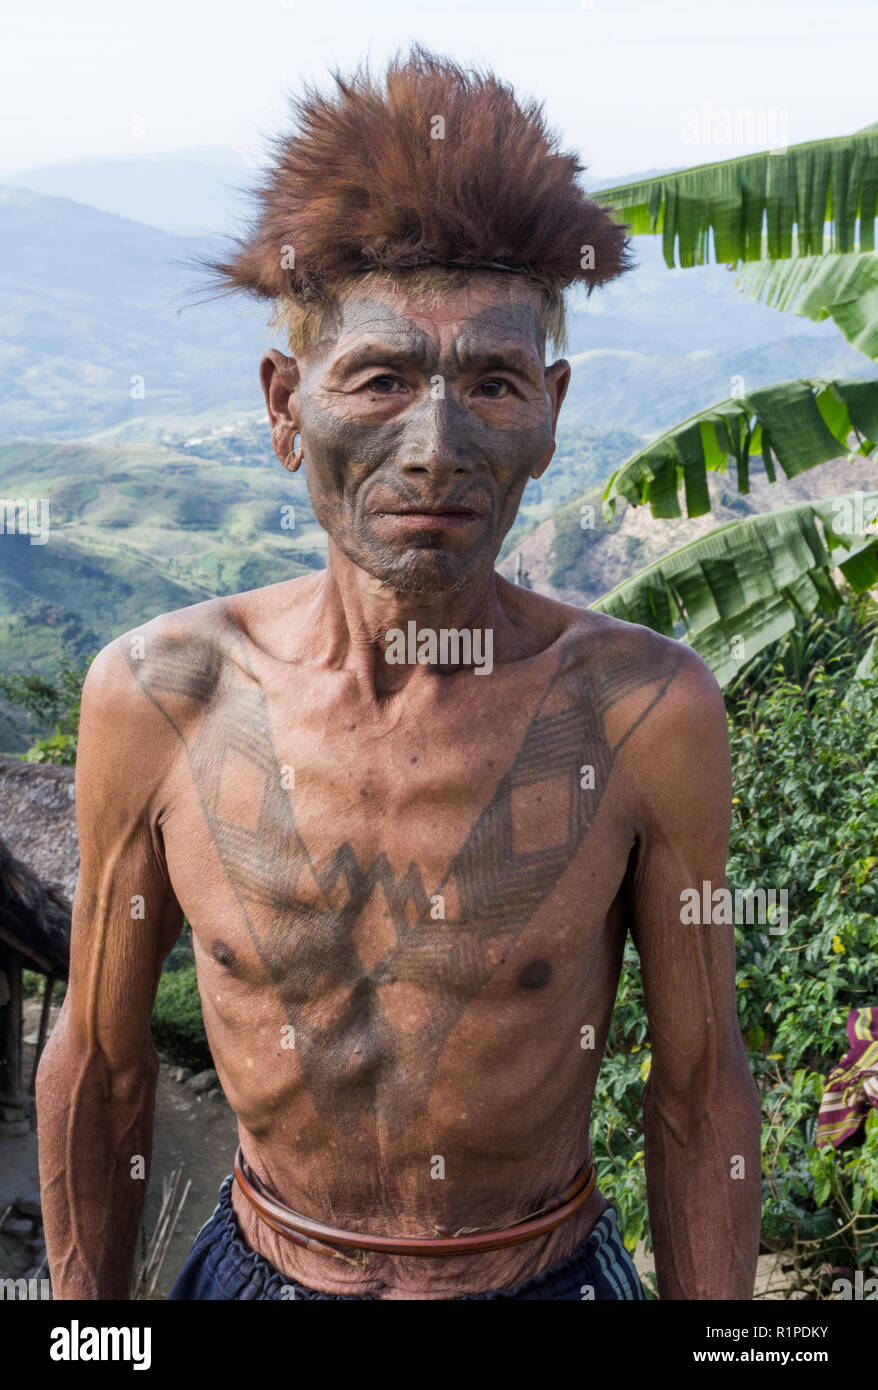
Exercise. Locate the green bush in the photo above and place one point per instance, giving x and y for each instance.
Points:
(177, 1023)
(181, 953)
(805, 767)
(49, 701)
(33, 985)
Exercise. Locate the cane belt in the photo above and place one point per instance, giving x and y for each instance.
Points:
(301, 1230)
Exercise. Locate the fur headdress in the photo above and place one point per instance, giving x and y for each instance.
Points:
(443, 166)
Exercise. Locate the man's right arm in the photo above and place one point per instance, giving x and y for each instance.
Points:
(97, 1076)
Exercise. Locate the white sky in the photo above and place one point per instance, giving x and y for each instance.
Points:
(615, 75)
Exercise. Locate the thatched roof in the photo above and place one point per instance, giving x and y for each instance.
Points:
(38, 820)
(34, 918)
(39, 860)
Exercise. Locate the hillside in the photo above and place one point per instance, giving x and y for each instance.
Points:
(96, 329)
(137, 529)
(576, 565)
(190, 192)
(115, 336)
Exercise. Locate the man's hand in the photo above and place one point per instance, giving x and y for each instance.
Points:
(97, 1076)
(701, 1106)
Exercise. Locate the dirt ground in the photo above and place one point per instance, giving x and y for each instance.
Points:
(198, 1135)
(194, 1133)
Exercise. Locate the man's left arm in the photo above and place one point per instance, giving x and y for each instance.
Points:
(701, 1108)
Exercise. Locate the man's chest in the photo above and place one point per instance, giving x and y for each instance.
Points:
(380, 887)
(328, 835)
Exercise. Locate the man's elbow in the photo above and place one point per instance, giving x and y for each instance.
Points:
(76, 1069)
(708, 1087)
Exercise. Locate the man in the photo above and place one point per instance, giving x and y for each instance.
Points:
(410, 810)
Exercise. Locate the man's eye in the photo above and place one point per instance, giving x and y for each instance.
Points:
(495, 388)
(382, 384)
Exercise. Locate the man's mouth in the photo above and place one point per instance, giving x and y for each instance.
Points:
(424, 517)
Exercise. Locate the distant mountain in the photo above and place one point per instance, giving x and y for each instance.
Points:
(96, 328)
(189, 193)
(647, 393)
(595, 185)
(192, 192)
(99, 328)
(653, 309)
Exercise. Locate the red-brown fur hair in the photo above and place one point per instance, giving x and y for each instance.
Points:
(360, 184)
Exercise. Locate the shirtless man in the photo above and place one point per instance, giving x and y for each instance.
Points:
(409, 885)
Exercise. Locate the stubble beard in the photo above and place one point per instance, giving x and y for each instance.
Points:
(419, 571)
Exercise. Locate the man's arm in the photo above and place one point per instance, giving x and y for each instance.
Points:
(97, 1076)
(701, 1107)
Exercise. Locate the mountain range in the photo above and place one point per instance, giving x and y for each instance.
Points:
(136, 410)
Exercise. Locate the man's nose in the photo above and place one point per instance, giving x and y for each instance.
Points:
(438, 440)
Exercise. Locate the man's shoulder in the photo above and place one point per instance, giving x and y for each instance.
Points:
(183, 652)
(662, 712)
(654, 694)
(178, 647)
(618, 655)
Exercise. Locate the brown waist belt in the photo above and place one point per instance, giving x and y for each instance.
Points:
(301, 1230)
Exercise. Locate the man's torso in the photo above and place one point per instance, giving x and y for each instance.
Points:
(408, 921)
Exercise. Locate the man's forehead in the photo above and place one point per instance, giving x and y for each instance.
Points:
(467, 320)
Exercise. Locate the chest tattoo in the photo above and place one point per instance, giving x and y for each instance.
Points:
(304, 909)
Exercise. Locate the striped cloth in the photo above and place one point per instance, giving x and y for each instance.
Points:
(852, 1086)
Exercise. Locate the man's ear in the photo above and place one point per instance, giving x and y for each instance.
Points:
(557, 381)
(557, 378)
(280, 386)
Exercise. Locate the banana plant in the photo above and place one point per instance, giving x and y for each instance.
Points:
(733, 592)
(795, 425)
(766, 214)
(842, 286)
(793, 192)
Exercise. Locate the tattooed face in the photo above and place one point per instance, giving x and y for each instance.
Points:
(421, 426)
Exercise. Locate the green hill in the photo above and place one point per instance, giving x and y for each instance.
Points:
(138, 529)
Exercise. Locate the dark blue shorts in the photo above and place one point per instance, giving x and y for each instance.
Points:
(221, 1266)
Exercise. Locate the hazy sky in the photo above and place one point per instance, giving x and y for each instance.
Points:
(80, 78)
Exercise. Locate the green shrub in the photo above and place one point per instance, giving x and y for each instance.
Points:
(805, 768)
(181, 953)
(49, 701)
(33, 985)
(177, 1023)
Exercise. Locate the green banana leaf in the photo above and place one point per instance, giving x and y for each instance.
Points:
(841, 286)
(795, 425)
(728, 202)
(733, 592)
(868, 667)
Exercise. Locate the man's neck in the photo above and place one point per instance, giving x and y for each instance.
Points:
(356, 615)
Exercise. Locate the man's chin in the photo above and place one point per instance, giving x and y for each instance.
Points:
(425, 573)
(421, 571)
